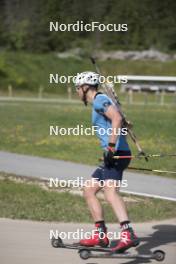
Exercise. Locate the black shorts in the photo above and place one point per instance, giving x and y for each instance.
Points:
(114, 173)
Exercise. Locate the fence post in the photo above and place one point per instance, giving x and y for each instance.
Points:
(10, 92)
(130, 96)
(40, 92)
(69, 92)
(145, 98)
(174, 101)
(157, 96)
(126, 97)
(162, 97)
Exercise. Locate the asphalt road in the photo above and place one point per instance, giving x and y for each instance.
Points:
(138, 183)
(28, 242)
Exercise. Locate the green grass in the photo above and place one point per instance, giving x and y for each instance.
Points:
(25, 129)
(138, 98)
(27, 71)
(29, 201)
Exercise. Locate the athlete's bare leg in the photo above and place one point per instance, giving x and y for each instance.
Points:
(115, 200)
(90, 190)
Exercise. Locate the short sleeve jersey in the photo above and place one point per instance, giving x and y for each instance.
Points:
(100, 105)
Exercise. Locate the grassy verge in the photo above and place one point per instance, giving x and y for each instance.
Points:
(30, 201)
(29, 71)
(137, 99)
(25, 129)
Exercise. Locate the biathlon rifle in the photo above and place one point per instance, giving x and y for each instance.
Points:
(112, 94)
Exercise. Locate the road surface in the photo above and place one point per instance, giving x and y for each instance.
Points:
(138, 183)
(28, 242)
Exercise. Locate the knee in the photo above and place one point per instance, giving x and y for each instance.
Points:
(110, 197)
(88, 192)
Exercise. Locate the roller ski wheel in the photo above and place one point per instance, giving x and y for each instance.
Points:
(84, 254)
(56, 242)
(159, 255)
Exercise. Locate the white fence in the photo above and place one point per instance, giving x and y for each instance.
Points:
(150, 84)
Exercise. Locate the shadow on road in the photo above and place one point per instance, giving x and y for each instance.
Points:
(163, 235)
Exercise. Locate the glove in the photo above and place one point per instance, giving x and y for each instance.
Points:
(109, 154)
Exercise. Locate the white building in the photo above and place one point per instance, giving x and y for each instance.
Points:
(149, 83)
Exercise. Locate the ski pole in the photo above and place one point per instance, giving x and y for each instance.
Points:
(144, 169)
(148, 156)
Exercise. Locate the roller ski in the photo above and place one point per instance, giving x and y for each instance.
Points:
(108, 252)
(99, 246)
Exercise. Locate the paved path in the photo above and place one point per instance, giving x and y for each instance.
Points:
(28, 242)
(138, 183)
